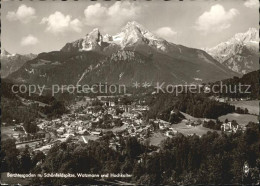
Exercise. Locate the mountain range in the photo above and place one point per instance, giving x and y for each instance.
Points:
(12, 62)
(133, 55)
(240, 53)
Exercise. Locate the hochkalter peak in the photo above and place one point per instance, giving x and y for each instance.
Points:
(250, 36)
(240, 53)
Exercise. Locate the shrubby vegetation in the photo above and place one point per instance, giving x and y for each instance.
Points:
(212, 125)
(241, 110)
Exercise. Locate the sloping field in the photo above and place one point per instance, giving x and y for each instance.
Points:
(190, 130)
(252, 105)
(242, 119)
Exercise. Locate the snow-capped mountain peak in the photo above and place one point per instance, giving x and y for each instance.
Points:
(240, 53)
(133, 55)
(249, 36)
(12, 62)
(133, 24)
(92, 41)
(94, 34)
(132, 34)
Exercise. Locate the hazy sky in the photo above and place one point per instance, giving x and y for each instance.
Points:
(42, 26)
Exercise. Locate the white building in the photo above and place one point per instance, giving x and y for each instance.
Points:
(229, 127)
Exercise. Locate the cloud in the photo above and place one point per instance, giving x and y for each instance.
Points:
(165, 32)
(110, 17)
(29, 40)
(59, 23)
(216, 20)
(24, 14)
(252, 3)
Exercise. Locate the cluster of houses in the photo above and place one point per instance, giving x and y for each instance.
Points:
(85, 122)
(88, 120)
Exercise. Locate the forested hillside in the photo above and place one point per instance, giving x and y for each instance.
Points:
(197, 105)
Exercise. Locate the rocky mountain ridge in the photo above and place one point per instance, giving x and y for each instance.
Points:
(12, 62)
(133, 55)
(240, 53)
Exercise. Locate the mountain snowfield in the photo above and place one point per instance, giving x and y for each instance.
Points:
(240, 53)
(133, 34)
(133, 55)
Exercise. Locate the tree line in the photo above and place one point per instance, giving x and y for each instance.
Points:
(197, 105)
(212, 159)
